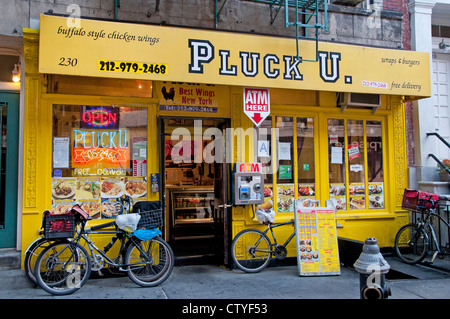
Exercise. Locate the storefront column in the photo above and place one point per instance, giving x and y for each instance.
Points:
(399, 175)
(241, 215)
(33, 160)
(422, 109)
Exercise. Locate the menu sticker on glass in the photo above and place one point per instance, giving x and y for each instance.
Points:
(316, 237)
(92, 207)
(337, 196)
(306, 195)
(353, 151)
(376, 195)
(336, 155)
(285, 172)
(284, 151)
(61, 152)
(136, 187)
(263, 149)
(63, 194)
(285, 198)
(357, 196)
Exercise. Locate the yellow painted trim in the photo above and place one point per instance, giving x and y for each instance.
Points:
(366, 181)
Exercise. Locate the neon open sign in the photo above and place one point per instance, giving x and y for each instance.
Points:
(99, 117)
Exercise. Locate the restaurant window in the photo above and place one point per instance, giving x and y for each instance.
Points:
(349, 143)
(356, 167)
(264, 149)
(99, 157)
(263, 155)
(306, 166)
(285, 160)
(283, 169)
(375, 172)
(336, 160)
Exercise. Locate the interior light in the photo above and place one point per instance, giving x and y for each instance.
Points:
(16, 73)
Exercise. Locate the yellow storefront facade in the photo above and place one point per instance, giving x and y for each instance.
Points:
(106, 104)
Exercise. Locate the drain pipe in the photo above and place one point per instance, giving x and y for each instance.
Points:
(116, 7)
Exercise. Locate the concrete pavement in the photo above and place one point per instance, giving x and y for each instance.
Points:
(214, 282)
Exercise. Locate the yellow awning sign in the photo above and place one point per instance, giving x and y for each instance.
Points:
(138, 51)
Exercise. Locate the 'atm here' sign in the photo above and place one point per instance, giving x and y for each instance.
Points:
(256, 104)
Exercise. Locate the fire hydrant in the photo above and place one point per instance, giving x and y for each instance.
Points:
(372, 268)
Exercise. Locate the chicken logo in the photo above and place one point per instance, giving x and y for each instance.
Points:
(168, 95)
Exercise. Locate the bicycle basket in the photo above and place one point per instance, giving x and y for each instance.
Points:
(150, 219)
(151, 214)
(59, 226)
(417, 200)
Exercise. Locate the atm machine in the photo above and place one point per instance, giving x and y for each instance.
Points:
(248, 184)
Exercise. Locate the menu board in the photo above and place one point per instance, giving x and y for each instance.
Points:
(100, 197)
(316, 237)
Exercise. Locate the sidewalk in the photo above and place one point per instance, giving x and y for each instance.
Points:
(213, 282)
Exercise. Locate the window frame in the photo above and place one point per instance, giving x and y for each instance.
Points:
(294, 155)
(320, 119)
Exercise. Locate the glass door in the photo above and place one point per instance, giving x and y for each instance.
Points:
(9, 131)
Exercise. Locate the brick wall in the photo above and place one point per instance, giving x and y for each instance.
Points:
(401, 6)
(346, 24)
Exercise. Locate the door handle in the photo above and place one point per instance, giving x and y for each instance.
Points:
(225, 206)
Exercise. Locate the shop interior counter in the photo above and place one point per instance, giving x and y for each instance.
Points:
(191, 212)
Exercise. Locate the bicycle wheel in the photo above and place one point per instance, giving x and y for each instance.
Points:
(31, 254)
(411, 244)
(62, 268)
(251, 250)
(150, 262)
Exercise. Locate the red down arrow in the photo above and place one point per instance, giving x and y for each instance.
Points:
(257, 118)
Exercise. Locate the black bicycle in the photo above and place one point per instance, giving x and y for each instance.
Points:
(412, 242)
(39, 244)
(65, 265)
(252, 250)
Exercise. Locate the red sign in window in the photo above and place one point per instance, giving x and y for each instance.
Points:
(99, 117)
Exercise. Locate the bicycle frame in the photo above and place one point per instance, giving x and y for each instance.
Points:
(428, 223)
(93, 248)
(272, 226)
